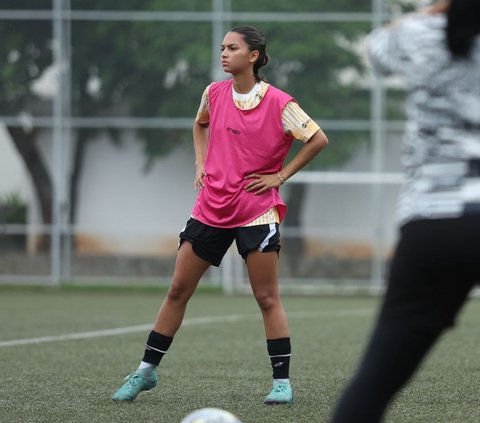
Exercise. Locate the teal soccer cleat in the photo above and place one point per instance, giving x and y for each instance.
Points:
(135, 383)
(281, 393)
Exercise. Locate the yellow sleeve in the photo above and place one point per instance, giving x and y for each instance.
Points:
(296, 122)
(203, 113)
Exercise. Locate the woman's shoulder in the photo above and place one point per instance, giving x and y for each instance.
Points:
(278, 93)
(218, 87)
(218, 84)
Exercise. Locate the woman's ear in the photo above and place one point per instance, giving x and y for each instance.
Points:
(254, 55)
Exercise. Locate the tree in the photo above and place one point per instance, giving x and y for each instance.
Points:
(122, 58)
(159, 69)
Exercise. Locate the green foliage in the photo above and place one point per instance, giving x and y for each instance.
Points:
(299, 6)
(160, 69)
(25, 4)
(143, 5)
(26, 53)
(13, 210)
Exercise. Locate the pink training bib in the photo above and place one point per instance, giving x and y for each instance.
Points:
(241, 142)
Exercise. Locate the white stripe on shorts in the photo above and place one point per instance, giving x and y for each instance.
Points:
(264, 243)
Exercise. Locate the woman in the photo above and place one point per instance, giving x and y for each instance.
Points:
(437, 261)
(242, 134)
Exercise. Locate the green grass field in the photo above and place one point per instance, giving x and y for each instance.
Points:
(218, 359)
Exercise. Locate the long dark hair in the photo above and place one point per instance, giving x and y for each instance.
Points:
(255, 41)
(463, 17)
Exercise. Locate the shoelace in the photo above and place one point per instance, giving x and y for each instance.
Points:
(280, 388)
(133, 380)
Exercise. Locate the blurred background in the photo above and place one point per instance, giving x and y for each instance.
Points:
(97, 101)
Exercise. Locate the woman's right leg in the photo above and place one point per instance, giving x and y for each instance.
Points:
(189, 268)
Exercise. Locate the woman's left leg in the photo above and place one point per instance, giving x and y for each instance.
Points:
(263, 274)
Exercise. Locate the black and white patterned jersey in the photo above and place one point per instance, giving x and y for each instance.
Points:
(442, 139)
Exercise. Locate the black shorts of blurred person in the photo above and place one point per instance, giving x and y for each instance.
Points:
(437, 259)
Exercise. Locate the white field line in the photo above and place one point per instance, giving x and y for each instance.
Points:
(187, 322)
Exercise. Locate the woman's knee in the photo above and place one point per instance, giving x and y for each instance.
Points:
(266, 300)
(179, 291)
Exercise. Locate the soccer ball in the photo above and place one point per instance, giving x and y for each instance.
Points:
(211, 415)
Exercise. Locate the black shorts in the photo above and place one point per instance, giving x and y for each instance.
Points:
(211, 243)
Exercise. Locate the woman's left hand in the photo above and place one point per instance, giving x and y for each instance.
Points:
(262, 183)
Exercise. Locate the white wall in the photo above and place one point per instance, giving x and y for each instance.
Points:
(123, 210)
(134, 211)
(346, 216)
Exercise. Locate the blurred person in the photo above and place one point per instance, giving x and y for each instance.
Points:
(242, 133)
(437, 259)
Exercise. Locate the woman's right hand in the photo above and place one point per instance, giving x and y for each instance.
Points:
(199, 174)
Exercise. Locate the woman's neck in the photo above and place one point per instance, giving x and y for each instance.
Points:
(243, 84)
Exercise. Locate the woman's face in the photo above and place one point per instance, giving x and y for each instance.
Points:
(236, 56)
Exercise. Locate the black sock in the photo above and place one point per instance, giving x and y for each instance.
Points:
(279, 351)
(156, 347)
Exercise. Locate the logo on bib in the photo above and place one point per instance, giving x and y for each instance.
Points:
(234, 131)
